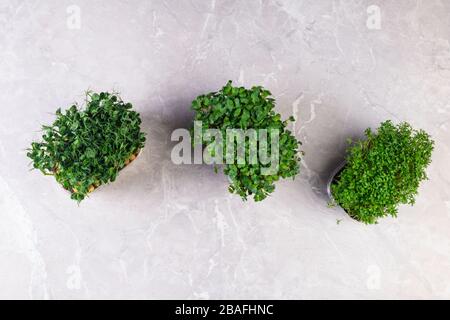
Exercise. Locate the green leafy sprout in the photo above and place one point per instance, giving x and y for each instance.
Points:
(383, 171)
(83, 149)
(241, 108)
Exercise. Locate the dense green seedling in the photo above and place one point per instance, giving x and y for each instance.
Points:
(383, 171)
(241, 108)
(85, 148)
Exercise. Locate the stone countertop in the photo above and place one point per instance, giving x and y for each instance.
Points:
(173, 231)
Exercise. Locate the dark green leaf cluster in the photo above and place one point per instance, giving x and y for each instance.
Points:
(241, 108)
(83, 149)
(383, 171)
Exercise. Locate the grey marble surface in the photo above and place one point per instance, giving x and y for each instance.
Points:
(167, 231)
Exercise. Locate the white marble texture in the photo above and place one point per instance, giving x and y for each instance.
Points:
(167, 231)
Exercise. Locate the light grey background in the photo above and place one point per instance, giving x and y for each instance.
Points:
(166, 231)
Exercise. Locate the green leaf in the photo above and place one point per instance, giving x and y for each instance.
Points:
(383, 171)
(83, 146)
(248, 109)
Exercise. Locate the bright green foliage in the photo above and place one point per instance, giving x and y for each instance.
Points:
(383, 171)
(86, 148)
(240, 108)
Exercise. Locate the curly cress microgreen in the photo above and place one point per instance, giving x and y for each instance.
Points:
(383, 171)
